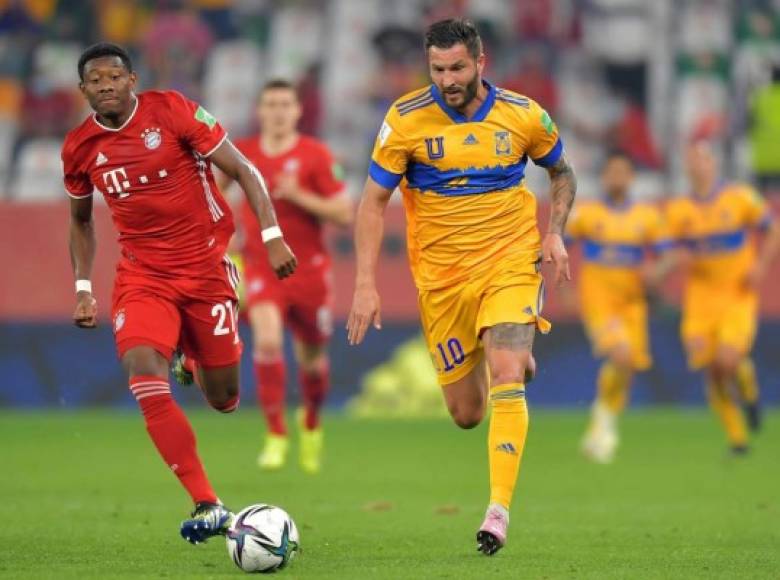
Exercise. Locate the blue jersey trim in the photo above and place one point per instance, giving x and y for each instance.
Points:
(466, 181)
(382, 176)
(456, 116)
(717, 243)
(612, 254)
(553, 156)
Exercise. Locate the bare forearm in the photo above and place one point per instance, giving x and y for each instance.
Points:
(250, 180)
(770, 247)
(563, 188)
(82, 248)
(369, 229)
(334, 209)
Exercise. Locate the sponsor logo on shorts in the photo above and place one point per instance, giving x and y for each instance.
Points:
(119, 320)
(506, 448)
(256, 285)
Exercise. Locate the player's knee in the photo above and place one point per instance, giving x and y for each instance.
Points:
(267, 350)
(621, 359)
(466, 417)
(314, 365)
(224, 399)
(145, 361)
(511, 368)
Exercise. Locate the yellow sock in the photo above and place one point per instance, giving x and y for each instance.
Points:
(613, 385)
(506, 439)
(747, 382)
(728, 412)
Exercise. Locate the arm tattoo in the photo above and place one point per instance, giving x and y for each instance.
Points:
(563, 187)
(511, 336)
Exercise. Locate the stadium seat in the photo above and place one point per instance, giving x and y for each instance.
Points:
(54, 63)
(38, 172)
(229, 96)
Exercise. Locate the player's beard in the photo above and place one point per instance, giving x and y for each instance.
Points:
(469, 92)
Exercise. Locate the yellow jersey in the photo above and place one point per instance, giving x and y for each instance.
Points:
(717, 231)
(462, 180)
(614, 241)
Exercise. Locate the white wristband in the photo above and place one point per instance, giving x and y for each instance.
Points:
(271, 234)
(83, 286)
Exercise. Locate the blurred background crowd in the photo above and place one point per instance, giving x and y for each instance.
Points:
(641, 76)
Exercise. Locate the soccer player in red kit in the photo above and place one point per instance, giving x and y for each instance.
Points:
(150, 156)
(306, 190)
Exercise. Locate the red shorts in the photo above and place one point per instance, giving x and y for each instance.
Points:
(199, 314)
(304, 298)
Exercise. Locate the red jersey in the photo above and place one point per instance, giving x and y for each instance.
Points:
(155, 175)
(313, 164)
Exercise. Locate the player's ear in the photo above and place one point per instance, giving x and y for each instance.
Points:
(481, 62)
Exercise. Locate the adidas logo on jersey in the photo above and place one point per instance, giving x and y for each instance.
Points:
(470, 140)
(101, 159)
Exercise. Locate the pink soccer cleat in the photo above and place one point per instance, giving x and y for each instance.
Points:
(491, 536)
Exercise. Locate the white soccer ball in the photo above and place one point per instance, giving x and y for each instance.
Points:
(263, 538)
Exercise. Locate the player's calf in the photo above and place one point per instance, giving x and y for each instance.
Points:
(220, 387)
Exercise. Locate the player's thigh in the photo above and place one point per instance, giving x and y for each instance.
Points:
(310, 316)
(466, 398)
(145, 316)
(267, 321)
(699, 337)
(448, 318)
(210, 331)
(736, 332)
(510, 313)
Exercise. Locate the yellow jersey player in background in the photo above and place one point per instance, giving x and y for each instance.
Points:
(714, 227)
(458, 149)
(615, 234)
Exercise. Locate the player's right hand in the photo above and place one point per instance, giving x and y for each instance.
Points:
(365, 310)
(85, 315)
(282, 259)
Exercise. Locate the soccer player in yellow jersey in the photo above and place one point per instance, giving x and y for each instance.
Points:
(615, 233)
(715, 227)
(458, 150)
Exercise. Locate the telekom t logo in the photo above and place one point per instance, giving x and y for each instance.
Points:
(116, 180)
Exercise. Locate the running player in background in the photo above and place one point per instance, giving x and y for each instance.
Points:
(307, 190)
(715, 227)
(458, 149)
(150, 156)
(615, 233)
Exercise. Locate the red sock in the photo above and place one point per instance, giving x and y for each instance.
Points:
(172, 435)
(314, 387)
(270, 393)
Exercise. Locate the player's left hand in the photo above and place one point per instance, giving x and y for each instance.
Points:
(85, 315)
(280, 256)
(554, 252)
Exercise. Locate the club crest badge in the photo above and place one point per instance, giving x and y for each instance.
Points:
(119, 320)
(503, 143)
(152, 137)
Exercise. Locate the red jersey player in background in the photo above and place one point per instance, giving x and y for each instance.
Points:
(150, 156)
(306, 190)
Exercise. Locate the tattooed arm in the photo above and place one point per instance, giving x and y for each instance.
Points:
(563, 187)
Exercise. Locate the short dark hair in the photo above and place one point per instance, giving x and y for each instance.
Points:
(448, 33)
(100, 50)
(279, 83)
(614, 154)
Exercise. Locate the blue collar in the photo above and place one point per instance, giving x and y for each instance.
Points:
(627, 204)
(456, 116)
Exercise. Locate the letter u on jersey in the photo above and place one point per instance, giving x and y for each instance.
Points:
(435, 147)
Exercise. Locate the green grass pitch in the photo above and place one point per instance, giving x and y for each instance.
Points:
(85, 496)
